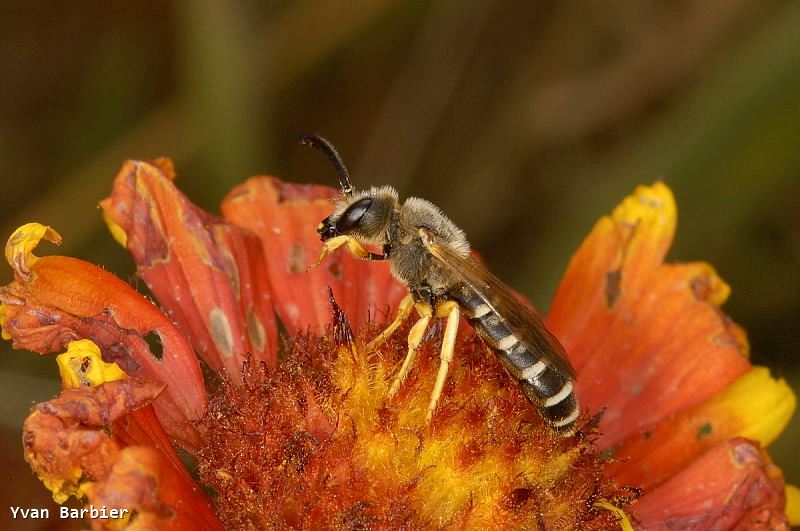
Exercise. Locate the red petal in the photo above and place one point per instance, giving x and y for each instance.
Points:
(647, 339)
(209, 275)
(142, 428)
(147, 485)
(733, 486)
(69, 299)
(756, 406)
(285, 217)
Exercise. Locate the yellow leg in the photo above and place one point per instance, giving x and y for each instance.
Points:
(355, 248)
(450, 310)
(403, 311)
(414, 339)
(330, 246)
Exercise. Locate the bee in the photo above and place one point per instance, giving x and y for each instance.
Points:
(431, 256)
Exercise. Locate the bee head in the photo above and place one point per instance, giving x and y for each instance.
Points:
(346, 221)
(363, 214)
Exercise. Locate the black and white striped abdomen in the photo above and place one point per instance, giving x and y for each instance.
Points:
(544, 386)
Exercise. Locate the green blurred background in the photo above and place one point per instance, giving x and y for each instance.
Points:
(524, 120)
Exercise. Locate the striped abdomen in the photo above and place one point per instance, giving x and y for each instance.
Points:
(544, 386)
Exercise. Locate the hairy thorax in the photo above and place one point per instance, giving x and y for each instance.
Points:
(412, 264)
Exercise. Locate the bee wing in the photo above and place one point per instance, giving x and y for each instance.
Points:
(526, 325)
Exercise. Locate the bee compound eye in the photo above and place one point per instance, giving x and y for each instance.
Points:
(352, 216)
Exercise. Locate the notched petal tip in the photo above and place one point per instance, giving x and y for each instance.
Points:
(654, 203)
(82, 365)
(644, 225)
(708, 286)
(657, 324)
(756, 406)
(20, 246)
(763, 404)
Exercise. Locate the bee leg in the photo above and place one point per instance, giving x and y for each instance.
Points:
(330, 246)
(450, 310)
(355, 248)
(414, 339)
(402, 312)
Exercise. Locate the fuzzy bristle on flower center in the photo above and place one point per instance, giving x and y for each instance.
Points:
(318, 441)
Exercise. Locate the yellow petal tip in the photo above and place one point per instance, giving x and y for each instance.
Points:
(82, 366)
(765, 404)
(20, 246)
(793, 505)
(117, 232)
(756, 405)
(654, 203)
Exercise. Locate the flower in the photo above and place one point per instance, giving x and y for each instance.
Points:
(296, 429)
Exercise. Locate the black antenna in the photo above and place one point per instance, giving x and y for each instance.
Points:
(326, 147)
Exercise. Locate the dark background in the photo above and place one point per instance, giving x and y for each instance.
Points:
(524, 120)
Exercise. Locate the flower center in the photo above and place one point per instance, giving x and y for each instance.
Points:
(318, 440)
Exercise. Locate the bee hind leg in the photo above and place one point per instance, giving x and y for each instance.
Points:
(414, 339)
(451, 311)
(403, 311)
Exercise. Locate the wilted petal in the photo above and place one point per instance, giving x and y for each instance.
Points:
(58, 299)
(732, 486)
(83, 443)
(755, 406)
(20, 246)
(208, 275)
(82, 366)
(285, 217)
(62, 439)
(646, 338)
(144, 483)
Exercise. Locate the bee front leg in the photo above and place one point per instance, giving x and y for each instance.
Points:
(403, 311)
(450, 310)
(329, 246)
(414, 339)
(355, 248)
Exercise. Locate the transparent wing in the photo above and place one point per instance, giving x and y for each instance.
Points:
(525, 324)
